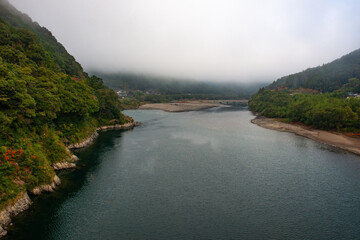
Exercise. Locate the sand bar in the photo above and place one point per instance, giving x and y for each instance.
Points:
(180, 106)
(335, 139)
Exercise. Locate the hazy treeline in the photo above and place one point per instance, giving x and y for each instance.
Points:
(179, 88)
(323, 111)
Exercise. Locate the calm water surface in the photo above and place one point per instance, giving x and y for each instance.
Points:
(201, 175)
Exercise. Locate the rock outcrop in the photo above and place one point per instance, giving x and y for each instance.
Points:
(70, 163)
(46, 188)
(74, 158)
(63, 165)
(85, 142)
(56, 180)
(5, 215)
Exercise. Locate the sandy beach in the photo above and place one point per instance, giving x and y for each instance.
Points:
(335, 139)
(180, 106)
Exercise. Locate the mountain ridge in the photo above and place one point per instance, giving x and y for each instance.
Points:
(62, 58)
(326, 78)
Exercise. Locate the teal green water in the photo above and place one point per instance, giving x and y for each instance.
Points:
(201, 175)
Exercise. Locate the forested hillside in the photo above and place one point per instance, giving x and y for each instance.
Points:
(64, 61)
(325, 78)
(326, 97)
(46, 102)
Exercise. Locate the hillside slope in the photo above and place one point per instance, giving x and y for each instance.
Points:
(64, 61)
(325, 78)
(326, 97)
(44, 104)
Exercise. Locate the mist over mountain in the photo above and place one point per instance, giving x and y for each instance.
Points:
(325, 78)
(218, 40)
(173, 86)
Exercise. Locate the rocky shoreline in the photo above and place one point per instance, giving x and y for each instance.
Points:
(24, 202)
(334, 139)
(9, 212)
(89, 140)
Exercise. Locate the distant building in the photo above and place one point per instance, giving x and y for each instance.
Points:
(122, 93)
(152, 91)
(353, 95)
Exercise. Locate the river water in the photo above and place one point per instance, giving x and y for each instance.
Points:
(201, 175)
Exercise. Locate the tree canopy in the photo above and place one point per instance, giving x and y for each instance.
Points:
(46, 102)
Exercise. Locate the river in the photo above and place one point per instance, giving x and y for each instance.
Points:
(200, 175)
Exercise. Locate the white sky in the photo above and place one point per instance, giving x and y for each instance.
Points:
(225, 40)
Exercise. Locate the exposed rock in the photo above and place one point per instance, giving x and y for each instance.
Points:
(74, 158)
(46, 188)
(36, 191)
(84, 143)
(40, 189)
(66, 164)
(63, 165)
(3, 232)
(57, 180)
(5, 215)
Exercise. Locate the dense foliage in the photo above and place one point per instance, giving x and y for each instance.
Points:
(323, 111)
(325, 78)
(42, 108)
(324, 97)
(64, 61)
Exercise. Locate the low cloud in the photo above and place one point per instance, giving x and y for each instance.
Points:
(202, 39)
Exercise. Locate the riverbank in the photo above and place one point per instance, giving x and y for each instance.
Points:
(334, 139)
(23, 202)
(181, 106)
(89, 140)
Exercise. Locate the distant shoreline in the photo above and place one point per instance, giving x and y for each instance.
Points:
(334, 139)
(180, 106)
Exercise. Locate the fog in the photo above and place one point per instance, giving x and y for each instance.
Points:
(222, 40)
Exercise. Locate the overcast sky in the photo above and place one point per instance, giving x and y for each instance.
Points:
(236, 40)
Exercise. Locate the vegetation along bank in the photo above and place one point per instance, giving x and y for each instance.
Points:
(47, 102)
(324, 98)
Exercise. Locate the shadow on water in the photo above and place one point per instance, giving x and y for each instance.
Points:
(223, 109)
(45, 206)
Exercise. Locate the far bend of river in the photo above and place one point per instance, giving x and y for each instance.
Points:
(201, 175)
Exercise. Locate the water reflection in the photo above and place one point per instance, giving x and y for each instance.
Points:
(201, 175)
